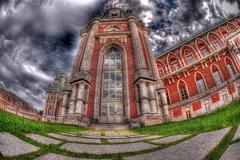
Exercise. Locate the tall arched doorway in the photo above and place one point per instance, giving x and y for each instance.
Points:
(112, 87)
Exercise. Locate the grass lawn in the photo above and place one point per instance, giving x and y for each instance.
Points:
(18, 125)
(221, 118)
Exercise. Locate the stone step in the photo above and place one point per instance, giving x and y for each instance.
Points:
(52, 156)
(108, 148)
(74, 139)
(169, 139)
(134, 139)
(110, 126)
(42, 139)
(12, 146)
(232, 152)
(237, 134)
(195, 148)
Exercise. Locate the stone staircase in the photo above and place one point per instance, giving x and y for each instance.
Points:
(108, 126)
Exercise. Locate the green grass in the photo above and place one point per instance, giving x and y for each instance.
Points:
(222, 146)
(221, 118)
(18, 125)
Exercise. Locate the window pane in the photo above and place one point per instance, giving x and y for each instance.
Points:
(205, 51)
(118, 65)
(106, 76)
(112, 76)
(217, 45)
(105, 93)
(104, 109)
(112, 93)
(112, 82)
(217, 77)
(230, 70)
(106, 84)
(119, 93)
(190, 58)
(201, 85)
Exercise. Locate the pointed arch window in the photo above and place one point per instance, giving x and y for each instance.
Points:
(216, 75)
(203, 47)
(217, 45)
(190, 58)
(112, 87)
(174, 65)
(200, 83)
(183, 90)
(230, 68)
(160, 71)
(205, 52)
(112, 75)
(215, 40)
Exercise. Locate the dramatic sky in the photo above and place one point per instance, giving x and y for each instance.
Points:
(39, 38)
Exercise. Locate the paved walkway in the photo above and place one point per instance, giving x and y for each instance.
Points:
(12, 146)
(101, 143)
(232, 152)
(195, 148)
(51, 156)
(42, 139)
(169, 139)
(237, 134)
(103, 149)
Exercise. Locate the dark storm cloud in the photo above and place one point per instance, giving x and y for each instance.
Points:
(39, 38)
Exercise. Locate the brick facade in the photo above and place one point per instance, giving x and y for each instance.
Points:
(191, 78)
(212, 50)
(13, 104)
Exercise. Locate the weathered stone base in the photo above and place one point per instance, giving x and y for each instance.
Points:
(151, 119)
(77, 119)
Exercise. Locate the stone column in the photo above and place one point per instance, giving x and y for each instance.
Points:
(72, 99)
(151, 55)
(87, 55)
(65, 102)
(164, 103)
(145, 106)
(137, 47)
(79, 54)
(152, 98)
(80, 104)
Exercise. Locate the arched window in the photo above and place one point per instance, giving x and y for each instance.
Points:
(230, 68)
(215, 40)
(224, 97)
(216, 75)
(161, 68)
(112, 97)
(202, 47)
(232, 27)
(160, 71)
(207, 106)
(174, 64)
(182, 90)
(190, 57)
(188, 113)
(224, 33)
(200, 83)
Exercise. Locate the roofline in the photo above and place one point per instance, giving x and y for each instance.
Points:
(196, 35)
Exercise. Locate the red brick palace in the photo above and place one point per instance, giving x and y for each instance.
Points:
(116, 79)
(12, 103)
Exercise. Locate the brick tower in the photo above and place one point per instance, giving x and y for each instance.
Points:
(114, 77)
